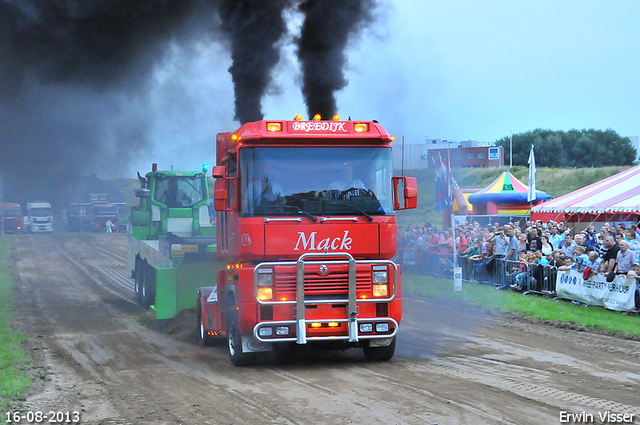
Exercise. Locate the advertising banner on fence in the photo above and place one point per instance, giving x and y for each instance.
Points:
(616, 295)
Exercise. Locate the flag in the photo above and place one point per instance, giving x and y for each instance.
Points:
(531, 196)
(443, 185)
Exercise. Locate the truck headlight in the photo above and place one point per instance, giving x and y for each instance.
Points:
(382, 327)
(380, 290)
(379, 277)
(366, 327)
(265, 277)
(265, 284)
(265, 332)
(265, 294)
(282, 330)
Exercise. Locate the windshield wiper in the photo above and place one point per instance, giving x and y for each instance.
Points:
(355, 208)
(308, 214)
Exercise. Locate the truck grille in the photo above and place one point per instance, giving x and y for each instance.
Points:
(332, 284)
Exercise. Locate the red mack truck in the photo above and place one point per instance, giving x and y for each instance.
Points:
(306, 230)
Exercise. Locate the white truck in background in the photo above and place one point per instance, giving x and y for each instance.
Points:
(39, 218)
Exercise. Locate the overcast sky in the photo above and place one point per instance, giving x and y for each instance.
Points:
(457, 70)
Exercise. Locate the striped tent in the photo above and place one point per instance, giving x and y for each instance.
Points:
(506, 189)
(615, 195)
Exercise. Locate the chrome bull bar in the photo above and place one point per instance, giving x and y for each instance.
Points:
(301, 302)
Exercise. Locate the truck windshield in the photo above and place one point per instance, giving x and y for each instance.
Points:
(40, 212)
(179, 191)
(11, 212)
(316, 180)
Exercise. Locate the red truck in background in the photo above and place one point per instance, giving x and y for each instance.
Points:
(102, 214)
(306, 231)
(12, 218)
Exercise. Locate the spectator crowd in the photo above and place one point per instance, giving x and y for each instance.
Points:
(523, 256)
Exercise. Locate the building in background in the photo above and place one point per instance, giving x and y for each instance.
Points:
(88, 200)
(466, 154)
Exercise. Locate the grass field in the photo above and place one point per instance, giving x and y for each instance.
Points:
(13, 381)
(486, 296)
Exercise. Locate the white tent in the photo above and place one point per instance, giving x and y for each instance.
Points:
(616, 195)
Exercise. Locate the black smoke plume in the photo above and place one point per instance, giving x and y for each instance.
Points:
(74, 74)
(254, 28)
(327, 26)
(69, 72)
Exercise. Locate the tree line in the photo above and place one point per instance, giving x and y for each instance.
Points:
(573, 148)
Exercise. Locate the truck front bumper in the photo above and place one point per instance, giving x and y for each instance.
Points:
(333, 318)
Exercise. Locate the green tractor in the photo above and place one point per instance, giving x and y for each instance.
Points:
(172, 242)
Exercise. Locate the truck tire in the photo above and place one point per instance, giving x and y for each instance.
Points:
(148, 287)
(203, 339)
(139, 281)
(380, 354)
(237, 357)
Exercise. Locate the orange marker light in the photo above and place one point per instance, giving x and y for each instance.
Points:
(298, 117)
(361, 126)
(380, 290)
(317, 117)
(336, 117)
(274, 126)
(265, 294)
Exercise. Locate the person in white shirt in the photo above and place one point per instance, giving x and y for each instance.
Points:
(625, 258)
(264, 191)
(345, 186)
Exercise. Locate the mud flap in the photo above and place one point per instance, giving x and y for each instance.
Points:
(382, 342)
(252, 345)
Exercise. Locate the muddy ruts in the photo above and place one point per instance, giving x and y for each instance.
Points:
(254, 28)
(327, 26)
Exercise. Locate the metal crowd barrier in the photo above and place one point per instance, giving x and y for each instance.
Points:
(544, 280)
(525, 277)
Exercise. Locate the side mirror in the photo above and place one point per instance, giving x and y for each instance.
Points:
(405, 193)
(220, 194)
(219, 172)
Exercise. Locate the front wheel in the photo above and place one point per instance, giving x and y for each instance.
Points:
(237, 357)
(380, 354)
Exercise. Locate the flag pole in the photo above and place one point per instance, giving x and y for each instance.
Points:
(450, 200)
(457, 271)
(402, 156)
(531, 196)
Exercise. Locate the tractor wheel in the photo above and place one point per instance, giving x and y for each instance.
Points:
(139, 281)
(380, 354)
(148, 287)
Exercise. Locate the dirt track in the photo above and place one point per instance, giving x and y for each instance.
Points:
(98, 353)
